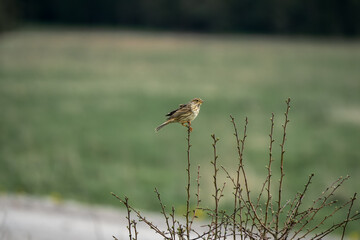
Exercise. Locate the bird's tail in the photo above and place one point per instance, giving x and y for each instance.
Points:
(162, 125)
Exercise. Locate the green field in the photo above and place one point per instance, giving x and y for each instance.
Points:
(79, 108)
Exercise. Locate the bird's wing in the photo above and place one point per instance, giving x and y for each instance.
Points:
(171, 113)
(183, 108)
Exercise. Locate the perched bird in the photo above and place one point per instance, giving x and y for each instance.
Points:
(184, 114)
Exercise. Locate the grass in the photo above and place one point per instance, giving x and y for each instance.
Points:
(79, 108)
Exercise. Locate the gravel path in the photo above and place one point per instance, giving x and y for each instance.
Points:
(29, 218)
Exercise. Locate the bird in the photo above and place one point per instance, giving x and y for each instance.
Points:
(184, 114)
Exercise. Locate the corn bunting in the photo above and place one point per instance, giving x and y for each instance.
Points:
(184, 114)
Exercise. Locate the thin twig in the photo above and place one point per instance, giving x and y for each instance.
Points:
(216, 193)
(143, 219)
(237, 181)
(335, 226)
(188, 184)
(172, 215)
(282, 145)
(325, 218)
(128, 217)
(251, 209)
(268, 178)
(172, 234)
(293, 212)
(312, 211)
(348, 215)
(269, 197)
(135, 229)
(197, 197)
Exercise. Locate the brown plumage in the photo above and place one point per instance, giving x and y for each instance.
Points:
(184, 114)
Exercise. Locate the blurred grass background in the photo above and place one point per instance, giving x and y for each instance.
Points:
(79, 108)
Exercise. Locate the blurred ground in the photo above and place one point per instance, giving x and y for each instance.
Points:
(43, 219)
(24, 217)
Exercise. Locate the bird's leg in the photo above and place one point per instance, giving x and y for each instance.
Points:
(189, 126)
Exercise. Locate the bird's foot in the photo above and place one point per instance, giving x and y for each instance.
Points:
(189, 126)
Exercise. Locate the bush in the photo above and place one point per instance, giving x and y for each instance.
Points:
(263, 217)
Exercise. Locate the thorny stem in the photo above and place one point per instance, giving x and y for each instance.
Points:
(188, 183)
(325, 218)
(237, 181)
(164, 214)
(135, 229)
(141, 218)
(282, 145)
(312, 211)
(251, 209)
(348, 215)
(299, 201)
(197, 196)
(236, 211)
(335, 226)
(126, 203)
(216, 195)
(172, 214)
(269, 173)
(293, 212)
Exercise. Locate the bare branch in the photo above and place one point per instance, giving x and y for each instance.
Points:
(268, 179)
(188, 184)
(348, 215)
(282, 174)
(197, 197)
(172, 234)
(143, 219)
